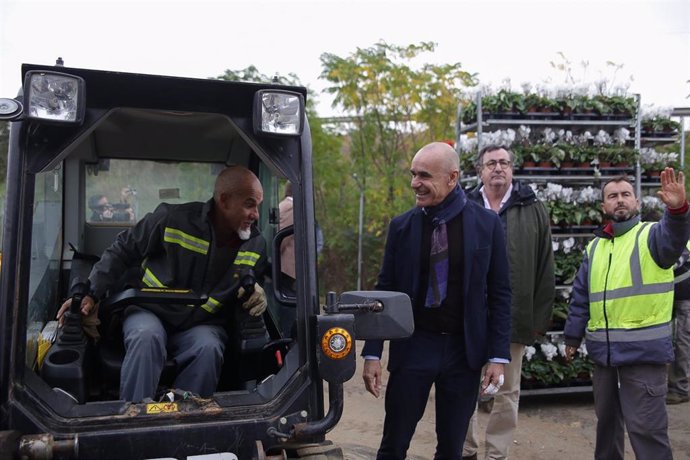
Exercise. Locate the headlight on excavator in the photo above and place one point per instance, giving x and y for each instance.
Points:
(54, 97)
(278, 113)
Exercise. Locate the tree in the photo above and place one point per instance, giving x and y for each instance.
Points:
(397, 107)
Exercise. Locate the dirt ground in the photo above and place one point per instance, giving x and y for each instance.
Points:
(549, 427)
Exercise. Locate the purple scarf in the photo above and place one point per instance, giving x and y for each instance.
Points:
(450, 207)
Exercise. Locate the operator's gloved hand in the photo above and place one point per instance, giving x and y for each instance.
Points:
(256, 304)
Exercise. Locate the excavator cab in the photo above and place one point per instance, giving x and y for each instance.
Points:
(92, 152)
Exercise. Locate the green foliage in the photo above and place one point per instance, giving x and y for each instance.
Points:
(660, 125)
(566, 266)
(504, 101)
(564, 213)
(253, 74)
(544, 371)
(539, 371)
(398, 104)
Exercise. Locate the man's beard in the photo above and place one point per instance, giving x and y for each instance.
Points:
(622, 218)
(244, 234)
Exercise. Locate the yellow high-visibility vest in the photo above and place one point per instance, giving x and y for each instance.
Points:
(627, 289)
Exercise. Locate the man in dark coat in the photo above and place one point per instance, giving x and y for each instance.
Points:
(449, 256)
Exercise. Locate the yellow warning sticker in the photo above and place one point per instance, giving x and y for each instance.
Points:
(161, 408)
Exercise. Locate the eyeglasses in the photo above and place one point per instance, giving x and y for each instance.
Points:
(491, 164)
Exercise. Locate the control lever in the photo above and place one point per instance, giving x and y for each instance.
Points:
(247, 282)
(72, 333)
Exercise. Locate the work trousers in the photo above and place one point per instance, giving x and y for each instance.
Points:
(431, 359)
(633, 397)
(198, 354)
(678, 370)
(504, 413)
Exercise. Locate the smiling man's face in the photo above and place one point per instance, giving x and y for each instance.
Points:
(433, 178)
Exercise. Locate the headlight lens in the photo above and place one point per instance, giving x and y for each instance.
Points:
(54, 97)
(278, 112)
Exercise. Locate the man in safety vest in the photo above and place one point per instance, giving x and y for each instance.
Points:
(199, 246)
(621, 303)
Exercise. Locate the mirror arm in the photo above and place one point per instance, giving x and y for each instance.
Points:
(332, 306)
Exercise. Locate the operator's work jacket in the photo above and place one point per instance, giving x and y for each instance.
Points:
(173, 246)
(622, 297)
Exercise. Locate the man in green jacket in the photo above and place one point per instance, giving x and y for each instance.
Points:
(527, 228)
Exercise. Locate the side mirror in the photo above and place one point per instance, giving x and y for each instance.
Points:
(379, 315)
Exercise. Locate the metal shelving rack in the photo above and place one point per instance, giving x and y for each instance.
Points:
(582, 179)
(635, 123)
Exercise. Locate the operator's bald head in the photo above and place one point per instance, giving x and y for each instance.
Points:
(234, 179)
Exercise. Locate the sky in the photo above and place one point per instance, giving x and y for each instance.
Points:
(495, 39)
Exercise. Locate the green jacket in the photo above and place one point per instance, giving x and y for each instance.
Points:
(528, 238)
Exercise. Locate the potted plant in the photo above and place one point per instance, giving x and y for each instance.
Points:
(622, 106)
(660, 126)
(582, 156)
(504, 103)
(568, 160)
(469, 112)
(556, 155)
(533, 102)
(532, 155)
(566, 264)
(568, 105)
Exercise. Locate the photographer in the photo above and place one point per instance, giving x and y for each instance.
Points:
(101, 209)
(123, 211)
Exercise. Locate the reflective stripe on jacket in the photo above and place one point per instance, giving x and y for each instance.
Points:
(627, 290)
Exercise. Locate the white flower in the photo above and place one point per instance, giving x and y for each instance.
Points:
(582, 350)
(549, 136)
(602, 138)
(621, 135)
(620, 90)
(588, 195)
(554, 245)
(652, 202)
(565, 292)
(601, 86)
(568, 244)
(529, 352)
(561, 349)
(468, 144)
(549, 350)
(650, 112)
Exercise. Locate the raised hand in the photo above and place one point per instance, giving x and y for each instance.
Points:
(672, 191)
